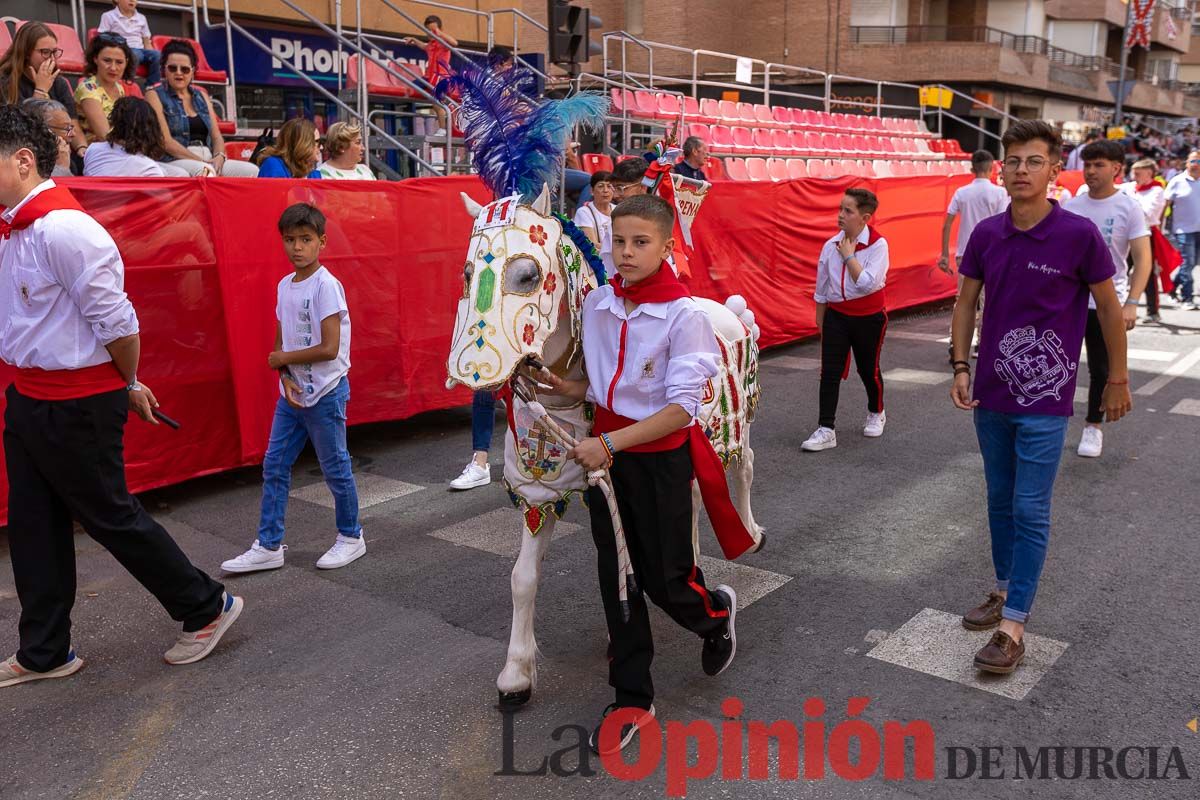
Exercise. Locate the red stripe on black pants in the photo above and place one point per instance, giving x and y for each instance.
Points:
(65, 461)
(654, 495)
(842, 335)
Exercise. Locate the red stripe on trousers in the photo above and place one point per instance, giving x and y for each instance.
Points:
(878, 351)
(708, 609)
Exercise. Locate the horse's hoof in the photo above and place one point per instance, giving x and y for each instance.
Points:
(512, 700)
(762, 543)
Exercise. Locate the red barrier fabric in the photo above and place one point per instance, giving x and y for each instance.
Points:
(203, 257)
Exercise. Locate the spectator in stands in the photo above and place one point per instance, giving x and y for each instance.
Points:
(344, 145)
(695, 153)
(294, 154)
(30, 69)
(1075, 159)
(109, 61)
(500, 58)
(188, 122)
(627, 178)
(125, 21)
(594, 218)
(437, 60)
(61, 124)
(133, 146)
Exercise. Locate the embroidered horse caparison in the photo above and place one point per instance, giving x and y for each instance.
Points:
(526, 276)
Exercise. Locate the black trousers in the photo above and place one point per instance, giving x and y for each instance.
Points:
(65, 461)
(654, 495)
(1152, 291)
(841, 336)
(1097, 353)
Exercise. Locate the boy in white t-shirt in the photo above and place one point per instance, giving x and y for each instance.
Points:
(312, 355)
(126, 22)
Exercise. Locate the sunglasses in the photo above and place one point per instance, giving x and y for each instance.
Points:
(182, 69)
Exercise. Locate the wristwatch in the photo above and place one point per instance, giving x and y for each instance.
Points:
(133, 386)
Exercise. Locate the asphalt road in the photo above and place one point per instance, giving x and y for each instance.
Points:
(377, 680)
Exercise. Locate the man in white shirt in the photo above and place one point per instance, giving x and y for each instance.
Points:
(1122, 223)
(1152, 197)
(971, 204)
(851, 315)
(72, 335)
(1183, 199)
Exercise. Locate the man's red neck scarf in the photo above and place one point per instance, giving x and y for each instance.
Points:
(53, 199)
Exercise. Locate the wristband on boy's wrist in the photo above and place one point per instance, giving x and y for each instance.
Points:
(608, 445)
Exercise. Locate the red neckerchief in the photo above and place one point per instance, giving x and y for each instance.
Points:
(661, 287)
(1145, 187)
(53, 199)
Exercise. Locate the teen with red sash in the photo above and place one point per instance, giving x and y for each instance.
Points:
(649, 352)
(851, 315)
(72, 334)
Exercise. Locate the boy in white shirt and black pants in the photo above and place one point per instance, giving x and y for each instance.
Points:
(650, 352)
(312, 355)
(851, 315)
(73, 336)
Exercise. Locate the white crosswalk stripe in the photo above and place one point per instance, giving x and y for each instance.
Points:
(1188, 406)
(372, 490)
(792, 362)
(918, 376)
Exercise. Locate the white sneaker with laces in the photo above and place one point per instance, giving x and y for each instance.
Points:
(822, 439)
(1091, 443)
(192, 646)
(875, 423)
(12, 673)
(255, 559)
(345, 549)
(440, 132)
(473, 475)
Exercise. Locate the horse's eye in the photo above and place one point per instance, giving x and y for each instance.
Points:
(522, 275)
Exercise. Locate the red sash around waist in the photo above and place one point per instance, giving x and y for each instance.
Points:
(68, 384)
(873, 303)
(709, 471)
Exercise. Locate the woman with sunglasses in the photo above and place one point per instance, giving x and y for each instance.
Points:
(189, 124)
(61, 124)
(109, 62)
(30, 69)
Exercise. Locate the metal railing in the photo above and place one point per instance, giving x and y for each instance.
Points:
(972, 34)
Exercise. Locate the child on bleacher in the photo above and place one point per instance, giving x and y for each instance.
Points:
(437, 64)
(125, 21)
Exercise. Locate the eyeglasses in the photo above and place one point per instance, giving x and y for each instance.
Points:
(66, 131)
(50, 52)
(1194, 160)
(182, 69)
(1033, 163)
(621, 188)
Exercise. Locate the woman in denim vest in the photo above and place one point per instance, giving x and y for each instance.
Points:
(194, 143)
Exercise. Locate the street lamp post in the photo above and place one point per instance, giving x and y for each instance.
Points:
(1117, 115)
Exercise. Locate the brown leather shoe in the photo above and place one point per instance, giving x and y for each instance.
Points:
(986, 615)
(1001, 655)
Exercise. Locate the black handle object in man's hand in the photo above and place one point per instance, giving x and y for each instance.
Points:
(163, 418)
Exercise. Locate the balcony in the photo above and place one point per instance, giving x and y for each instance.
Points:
(923, 34)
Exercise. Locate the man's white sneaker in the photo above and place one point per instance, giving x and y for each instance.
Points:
(472, 476)
(875, 423)
(1091, 443)
(195, 645)
(12, 673)
(822, 439)
(255, 559)
(345, 549)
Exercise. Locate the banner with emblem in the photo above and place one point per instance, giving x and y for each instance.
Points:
(689, 194)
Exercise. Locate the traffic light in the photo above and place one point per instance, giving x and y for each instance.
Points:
(570, 33)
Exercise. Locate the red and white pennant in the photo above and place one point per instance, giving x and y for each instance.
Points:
(1141, 20)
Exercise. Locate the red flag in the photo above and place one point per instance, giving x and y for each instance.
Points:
(1140, 22)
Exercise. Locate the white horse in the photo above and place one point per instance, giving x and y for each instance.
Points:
(525, 281)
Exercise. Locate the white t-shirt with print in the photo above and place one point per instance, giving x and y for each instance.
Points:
(1120, 220)
(361, 172)
(300, 307)
(588, 216)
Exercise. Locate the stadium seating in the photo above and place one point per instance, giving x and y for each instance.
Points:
(596, 162)
(736, 169)
(380, 81)
(71, 61)
(204, 72)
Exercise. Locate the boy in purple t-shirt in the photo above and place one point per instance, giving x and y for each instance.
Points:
(1038, 263)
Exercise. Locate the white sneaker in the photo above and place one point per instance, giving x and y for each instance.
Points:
(440, 132)
(345, 549)
(472, 476)
(822, 439)
(12, 673)
(255, 559)
(191, 647)
(1091, 443)
(875, 423)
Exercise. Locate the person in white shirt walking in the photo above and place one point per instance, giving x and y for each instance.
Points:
(851, 315)
(1122, 223)
(970, 205)
(1152, 197)
(1183, 199)
(312, 355)
(73, 336)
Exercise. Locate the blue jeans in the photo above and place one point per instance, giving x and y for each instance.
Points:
(153, 61)
(325, 425)
(1020, 461)
(483, 420)
(1188, 244)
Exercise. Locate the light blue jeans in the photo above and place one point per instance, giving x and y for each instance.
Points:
(325, 425)
(1189, 248)
(1021, 453)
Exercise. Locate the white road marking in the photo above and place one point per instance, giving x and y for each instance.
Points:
(917, 336)
(921, 376)
(1081, 394)
(1151, 355)
(372, 490)
(1187, 406)
(935, 643)
(751, 583)
(1172, 372)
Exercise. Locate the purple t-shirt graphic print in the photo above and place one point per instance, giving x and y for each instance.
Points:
(1036, 282)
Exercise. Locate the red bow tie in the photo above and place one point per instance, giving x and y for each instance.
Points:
(5, 229)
